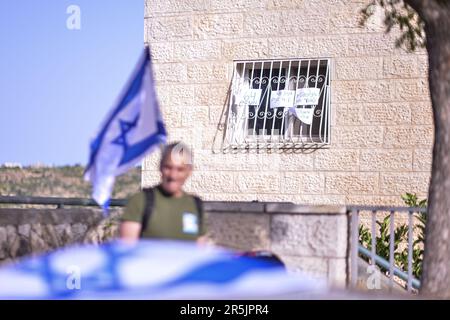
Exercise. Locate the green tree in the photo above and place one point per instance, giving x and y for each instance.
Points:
(427, 24)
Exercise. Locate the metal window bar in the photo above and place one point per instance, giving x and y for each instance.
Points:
(274, 111)
(316, 81)
(267, 100)
(254, 121)
(325, 101)
(411, 281)
(305, 86)
(290, 136)
(284, 112)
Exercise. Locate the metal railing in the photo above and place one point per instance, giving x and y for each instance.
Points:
(387, 263)
(59, 202)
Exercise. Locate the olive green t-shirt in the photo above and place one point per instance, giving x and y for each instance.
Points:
(171, 217)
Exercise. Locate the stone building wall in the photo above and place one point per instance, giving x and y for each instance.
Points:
(381, 121)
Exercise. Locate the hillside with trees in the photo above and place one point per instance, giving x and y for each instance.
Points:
(64, 181)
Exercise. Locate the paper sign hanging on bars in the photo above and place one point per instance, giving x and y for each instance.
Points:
(305, 115)
(307, 96)
(282, 99)
(250, 96)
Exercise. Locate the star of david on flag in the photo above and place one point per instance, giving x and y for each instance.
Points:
(131, 130)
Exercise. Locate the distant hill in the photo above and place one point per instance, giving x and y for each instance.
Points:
(64, 181)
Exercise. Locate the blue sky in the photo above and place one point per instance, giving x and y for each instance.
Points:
(57, 84)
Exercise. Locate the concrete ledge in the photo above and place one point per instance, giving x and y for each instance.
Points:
(304, 209)
(271, 207)
(13, 216)
(233, 207)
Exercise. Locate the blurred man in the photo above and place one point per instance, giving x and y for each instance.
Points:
(166, 210)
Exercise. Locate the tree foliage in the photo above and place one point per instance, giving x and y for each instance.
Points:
(399, 13)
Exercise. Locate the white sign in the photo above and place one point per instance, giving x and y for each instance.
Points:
(307, 96)
(282, 99)
(305, 115)
(250, 96)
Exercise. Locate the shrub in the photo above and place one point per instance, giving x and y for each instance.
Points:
(400, 236)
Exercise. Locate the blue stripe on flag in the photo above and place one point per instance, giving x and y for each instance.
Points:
(222, 272)
(136, 150)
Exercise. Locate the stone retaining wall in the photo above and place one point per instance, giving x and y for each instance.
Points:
(28, 231)
(312, 239)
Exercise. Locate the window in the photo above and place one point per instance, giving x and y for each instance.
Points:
(280, 104)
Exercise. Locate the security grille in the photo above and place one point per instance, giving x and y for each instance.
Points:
(279, 104)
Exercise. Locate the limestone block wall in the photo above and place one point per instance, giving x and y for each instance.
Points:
(381, 120)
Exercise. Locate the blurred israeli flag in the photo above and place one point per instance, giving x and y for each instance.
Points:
(132, 129)
(152, 269)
